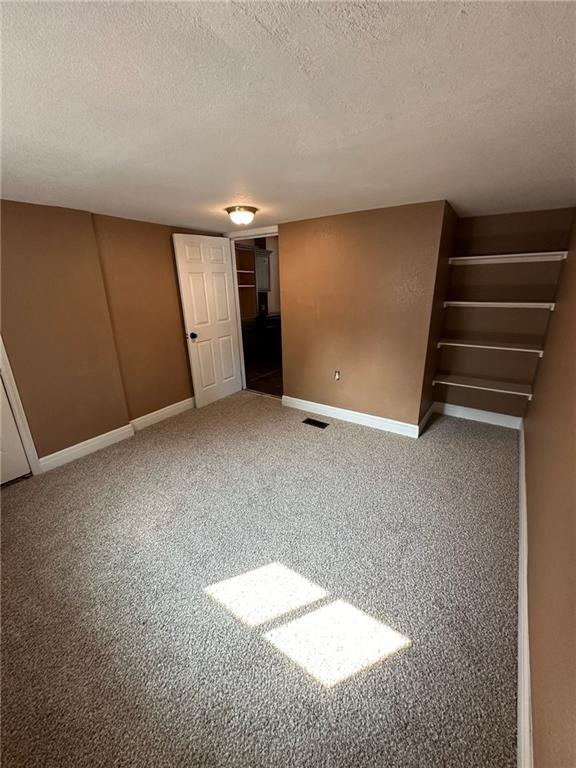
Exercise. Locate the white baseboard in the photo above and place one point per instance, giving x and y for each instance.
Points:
(163, 413)
(525, 755)
(475, 414)
(402, 427)
(377, 422)
(66, 455)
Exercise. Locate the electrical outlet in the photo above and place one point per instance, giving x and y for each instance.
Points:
(337, 375)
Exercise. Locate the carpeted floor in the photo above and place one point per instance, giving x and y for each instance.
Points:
(115, 655)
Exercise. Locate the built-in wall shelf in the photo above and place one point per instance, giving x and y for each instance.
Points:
(499, 345)
(488, 385)
(503, 304)
(509, 258)
(497, 309)
(500, 294)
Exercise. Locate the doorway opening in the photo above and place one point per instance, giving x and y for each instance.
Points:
(257, 272)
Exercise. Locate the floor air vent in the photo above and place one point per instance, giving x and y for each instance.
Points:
(315, 423)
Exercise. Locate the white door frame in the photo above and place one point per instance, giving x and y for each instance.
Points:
(18, 411)
(238, 315)
(248, 234)
(245, 234)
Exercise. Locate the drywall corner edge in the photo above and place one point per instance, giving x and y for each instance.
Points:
(444, 250)
(424, 420)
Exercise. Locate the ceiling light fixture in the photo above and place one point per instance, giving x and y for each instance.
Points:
(241, 214)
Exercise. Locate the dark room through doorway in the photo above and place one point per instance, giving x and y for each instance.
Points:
(259, 299)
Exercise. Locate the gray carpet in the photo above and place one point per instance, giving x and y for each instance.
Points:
(113, 655)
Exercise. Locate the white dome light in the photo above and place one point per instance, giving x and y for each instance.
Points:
(241, 214)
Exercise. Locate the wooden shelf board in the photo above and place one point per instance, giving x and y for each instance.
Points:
(509, 258)
(489, 385)
(499, 345)
(549, 305)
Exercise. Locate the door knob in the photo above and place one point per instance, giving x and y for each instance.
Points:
(193, 335)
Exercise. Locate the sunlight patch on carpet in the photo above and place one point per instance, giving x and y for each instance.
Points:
(265, 593)
(336, 641)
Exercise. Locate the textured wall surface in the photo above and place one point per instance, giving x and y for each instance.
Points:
(445, 250)
(91, 320)
(56, 326)
(170, 111)
(357, 293)
(551, 494)
(514, 232)
(142, 289)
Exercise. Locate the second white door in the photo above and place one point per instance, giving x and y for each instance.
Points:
(208, 302)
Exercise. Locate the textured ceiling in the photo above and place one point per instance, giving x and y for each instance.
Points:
(170, 111)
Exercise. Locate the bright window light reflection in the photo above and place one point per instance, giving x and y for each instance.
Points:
(265, 593)
(336, 641)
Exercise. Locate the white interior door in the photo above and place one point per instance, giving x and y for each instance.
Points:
(12, 457)
(209, 305)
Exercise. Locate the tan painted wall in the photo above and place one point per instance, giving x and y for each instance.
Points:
(551, 495)
(357, 293)
(437, 314)
(56, 326)
(142, 288)
(514, 232)
(91, 320)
